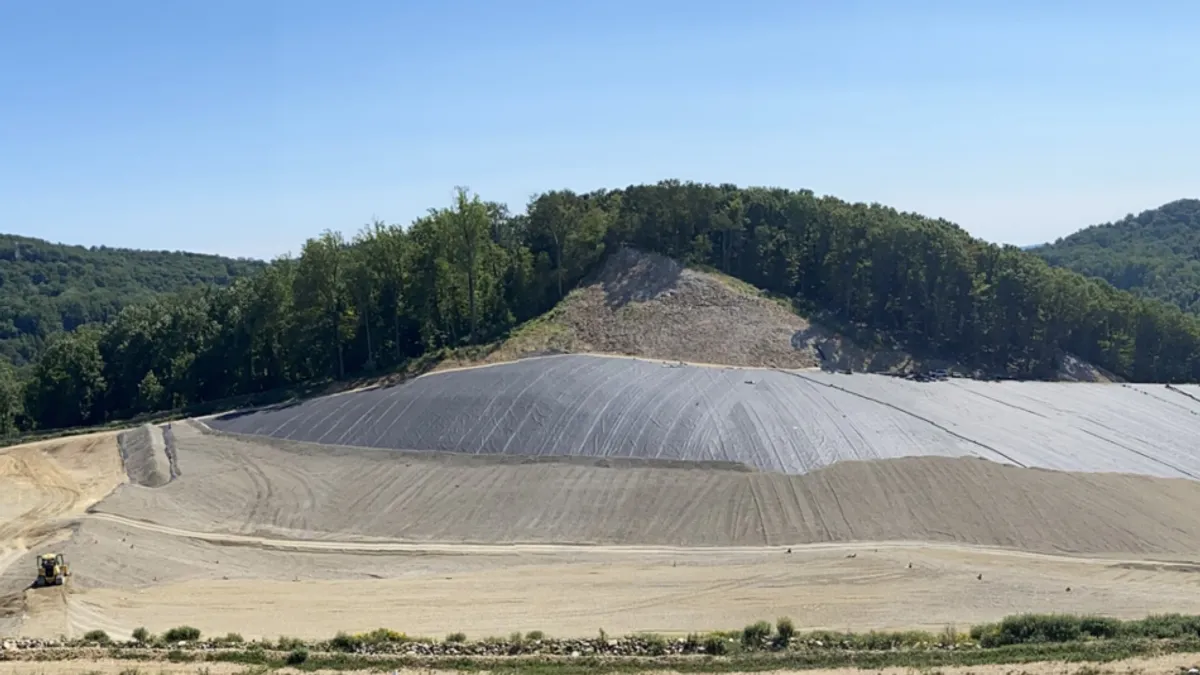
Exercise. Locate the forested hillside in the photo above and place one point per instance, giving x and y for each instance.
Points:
(46, 288)
(1154, 254)
(469, 272)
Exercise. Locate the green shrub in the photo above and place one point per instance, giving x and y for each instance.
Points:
(755, 635)
(297, 656)
(1102, 627)
(456, 637)
(715, 645)
(141, 635)
(535, 635)
(692, 644)
(344, 642)
(287, 644)
(785, 630)
(1164, 626)
(97, 636)
(1033, 628)
(182, 634)
(381, 636)
(655, 644)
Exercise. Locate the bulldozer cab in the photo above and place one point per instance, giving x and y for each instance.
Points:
(51, 569)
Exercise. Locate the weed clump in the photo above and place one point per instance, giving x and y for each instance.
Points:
(785, 630)
(755, 635)
(345, 642)
(716, 645)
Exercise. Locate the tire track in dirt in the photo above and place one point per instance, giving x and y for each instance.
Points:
(706, 552)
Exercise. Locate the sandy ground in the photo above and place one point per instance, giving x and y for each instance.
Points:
(314, 589)
(42, 487)
(1159, 665)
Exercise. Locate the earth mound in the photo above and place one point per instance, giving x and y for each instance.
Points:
(297, 491)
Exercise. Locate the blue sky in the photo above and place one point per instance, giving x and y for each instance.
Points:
(243, 127)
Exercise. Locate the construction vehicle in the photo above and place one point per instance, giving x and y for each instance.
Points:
(52, 570)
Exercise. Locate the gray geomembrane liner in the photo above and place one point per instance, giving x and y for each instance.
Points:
(771, 420)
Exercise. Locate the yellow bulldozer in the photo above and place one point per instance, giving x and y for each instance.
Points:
(52, 570)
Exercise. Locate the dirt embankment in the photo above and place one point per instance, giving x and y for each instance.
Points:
(144, 453)
(43, 486)
(306, 491)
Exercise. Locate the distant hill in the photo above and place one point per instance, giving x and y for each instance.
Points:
(1154, 254)
(46, 288)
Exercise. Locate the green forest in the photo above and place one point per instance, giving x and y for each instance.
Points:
(472, 270)
(47, 288)
(1155, 254)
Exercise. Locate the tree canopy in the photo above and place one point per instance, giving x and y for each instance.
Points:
(469, 272)
(47, 288)
(1155, 254)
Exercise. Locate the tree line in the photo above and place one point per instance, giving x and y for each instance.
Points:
(48, 288)
(469, 272)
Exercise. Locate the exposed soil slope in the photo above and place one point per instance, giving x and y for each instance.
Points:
(42, 486)
(304, 491)
(644, 304)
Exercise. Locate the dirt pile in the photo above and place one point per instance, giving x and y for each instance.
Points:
(644, 304)
(144, 454)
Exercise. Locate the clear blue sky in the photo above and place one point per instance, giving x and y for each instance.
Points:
(243, 127)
